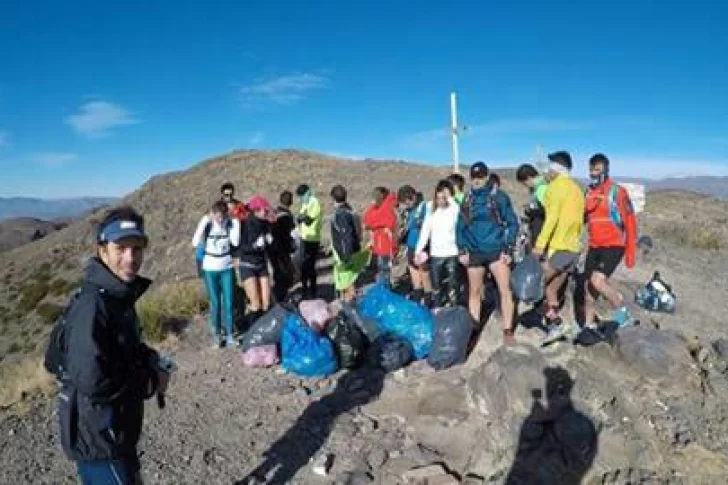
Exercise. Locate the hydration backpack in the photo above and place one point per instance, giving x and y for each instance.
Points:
(200, 252)
(55, 354)
(656, 296)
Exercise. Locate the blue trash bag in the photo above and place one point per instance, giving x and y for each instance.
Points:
(399, 316)
(453, 328)
(527, 280)
(304, 352)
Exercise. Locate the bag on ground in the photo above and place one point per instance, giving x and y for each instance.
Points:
(390, 352)
(304, 352)
(368, 326)
(263, 356)
(453, 329)
(316, 313)
(397, 315)
(349, 341)
(266, 330)
(656, 296)
(527, 280)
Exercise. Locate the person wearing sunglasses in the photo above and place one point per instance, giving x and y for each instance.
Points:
(487, 232)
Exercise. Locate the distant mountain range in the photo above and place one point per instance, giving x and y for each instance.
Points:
(49, 209)
(713, 186)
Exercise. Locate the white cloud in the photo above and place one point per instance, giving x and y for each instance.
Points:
(96, 118)
(286, 89)
(4, 139)
(256, 138)
(53, 159)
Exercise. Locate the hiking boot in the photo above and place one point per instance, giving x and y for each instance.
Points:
(622, 317)
(564, 330)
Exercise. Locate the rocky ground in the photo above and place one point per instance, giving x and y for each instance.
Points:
(648, 406)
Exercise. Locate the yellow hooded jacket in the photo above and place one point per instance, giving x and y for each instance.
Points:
(564, 206)
(312, 208)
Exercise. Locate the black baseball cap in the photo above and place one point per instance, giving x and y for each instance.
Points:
(479, 170)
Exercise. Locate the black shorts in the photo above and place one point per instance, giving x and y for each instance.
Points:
(603, 260)
(483, 260)
(253, 270)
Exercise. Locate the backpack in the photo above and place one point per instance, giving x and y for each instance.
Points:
(490, 204)
(656, 296)
(200, 253)
(55, 354)
(345, 249)
(613, 200)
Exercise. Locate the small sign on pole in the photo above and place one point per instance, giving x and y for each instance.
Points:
(637, 196)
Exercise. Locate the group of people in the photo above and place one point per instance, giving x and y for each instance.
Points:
(454, 243)
(107, 371)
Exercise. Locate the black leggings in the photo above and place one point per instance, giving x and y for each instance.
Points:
(308, 267)
(283, 275)
(446, 281)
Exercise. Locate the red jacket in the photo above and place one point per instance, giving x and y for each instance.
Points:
(382, 221)
(604, 230)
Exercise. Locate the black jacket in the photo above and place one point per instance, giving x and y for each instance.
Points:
(250, 251)
(534, 216)
(344, 232)
(282, 240)
(110, 370)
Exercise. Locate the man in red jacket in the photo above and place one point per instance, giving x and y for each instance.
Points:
(612, 236)
(381, 220)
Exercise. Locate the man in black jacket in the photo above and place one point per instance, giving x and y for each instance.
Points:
(110, 370)
(283, 247)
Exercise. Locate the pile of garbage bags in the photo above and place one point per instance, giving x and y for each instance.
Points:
(382, 329)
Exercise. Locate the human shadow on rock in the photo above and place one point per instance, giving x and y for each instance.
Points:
(305, 438)
(557, 444)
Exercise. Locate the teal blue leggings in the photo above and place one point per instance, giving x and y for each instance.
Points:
(220, 286)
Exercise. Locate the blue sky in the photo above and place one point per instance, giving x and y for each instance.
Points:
(95, 98)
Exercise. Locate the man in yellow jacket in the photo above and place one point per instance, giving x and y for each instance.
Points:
(560, 237)
(310, 220)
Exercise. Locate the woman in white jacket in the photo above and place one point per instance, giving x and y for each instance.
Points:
(218, 235)
(440, 230)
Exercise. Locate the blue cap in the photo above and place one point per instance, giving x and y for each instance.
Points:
(120, 229)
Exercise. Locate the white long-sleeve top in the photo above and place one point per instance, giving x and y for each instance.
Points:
(219, 243)
(440, 229)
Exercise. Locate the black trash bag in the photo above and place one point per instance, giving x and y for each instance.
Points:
(349, 341)
(390, 352)
(453, 329)
(266, 330)
(527, 280)
(369, 327)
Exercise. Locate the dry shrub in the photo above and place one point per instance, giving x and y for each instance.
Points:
(22, 379)
(694, 238)
(170, 308)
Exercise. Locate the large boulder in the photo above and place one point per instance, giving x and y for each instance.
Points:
(535, 433)
(658, 355)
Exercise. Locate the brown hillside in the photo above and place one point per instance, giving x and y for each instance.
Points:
(21, 230)
(36, 278)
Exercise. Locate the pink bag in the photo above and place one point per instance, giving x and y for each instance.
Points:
(263, 356)
(316, 313)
